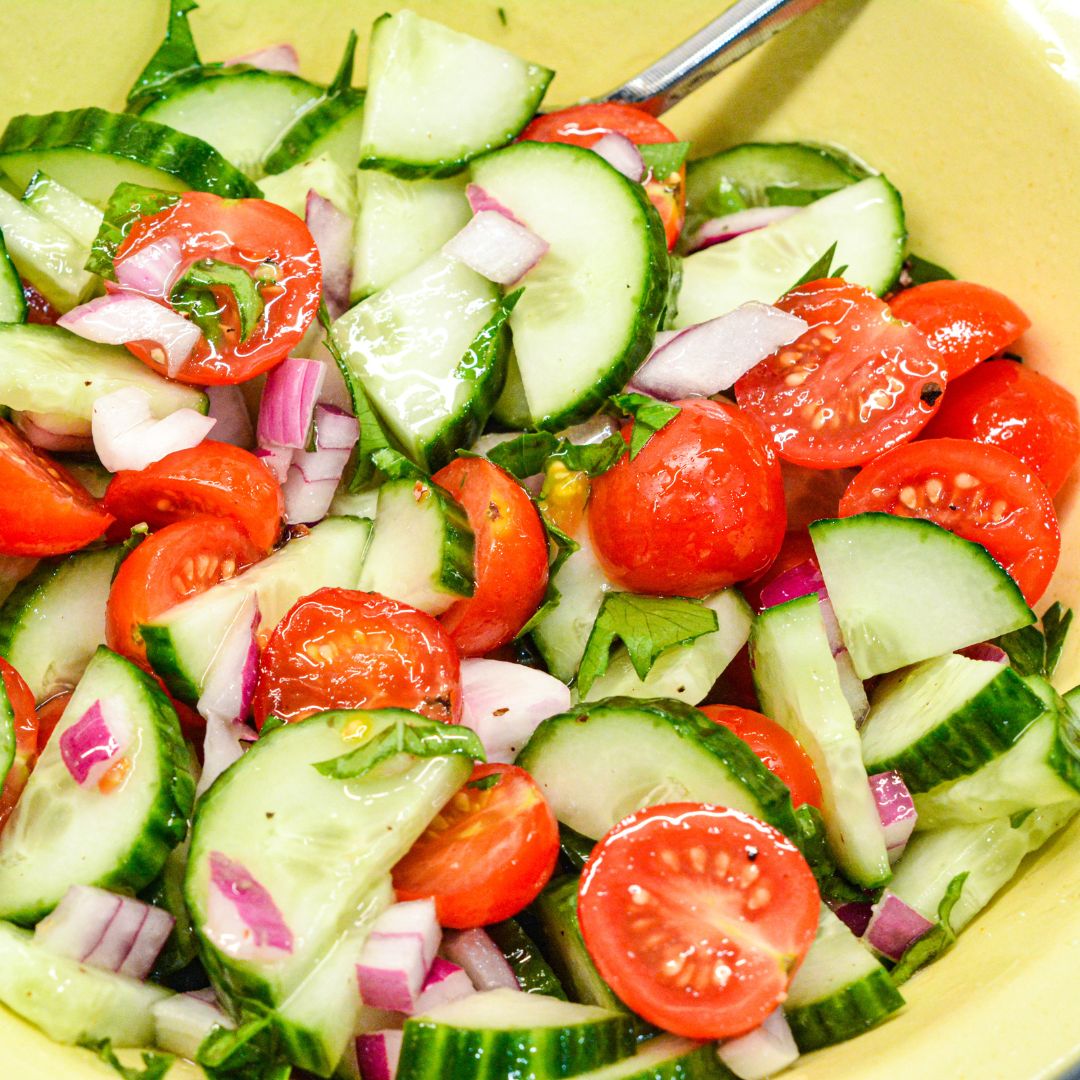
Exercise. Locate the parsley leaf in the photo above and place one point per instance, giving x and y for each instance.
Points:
(479, 357)
(1035, 652)
(649, 415)
(127, 204)
(919, 271)
(176, 55)
(155, 1066)
(251, 1052)
(663, 159)
(934, 942)
(484, 783)
(528, 453)
(647, 626)
(420, 737)
(823, 268)
(343, 78)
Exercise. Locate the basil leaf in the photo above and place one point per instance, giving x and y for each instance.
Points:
(649, 415)
(593, 458)
(1056, 622)
(342, 80)
(251, 1052)
(192, 296)
(485, 783)
(477, 361)
(176, 55)
(155, 1066)
(127, 205)
(918, 271)
(821, 269)
(647, 626)
(934, 942)
(663, 159)
(528, 453)
(1035, 652)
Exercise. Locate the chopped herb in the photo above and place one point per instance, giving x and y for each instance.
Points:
(175, 56)
(137, 535)
(528, 453)
(663, 159)
(919, 271)
(252, 1052)
(821, 269)
(155, 1066)
(193, 296)
(649, 416)
(271, 723)
(934, 942)
(477, 361)
(1035, 652)
(501, 12)
(342, 80)
(127, 205)
(485, 783)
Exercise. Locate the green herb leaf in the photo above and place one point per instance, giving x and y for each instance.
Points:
(501, 12)
(176, 55)
(192, 296)
(934, 942)
(1018, 819)
(574, 847)
(649, 415)
(155, 1066)
(419, 737)
(342, 80)
(647, 626)
(397, 466)
(821, 269)
(919, 271)
(814, 845)
(127, 205)
(271, 723)
(137, 535)
(664, 158)
(528, 453)
(1035, 652)
(252, 1052)
(1056, 622)
(477, 360)
(484, 783)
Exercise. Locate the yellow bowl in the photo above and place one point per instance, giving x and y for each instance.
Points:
(972, 108)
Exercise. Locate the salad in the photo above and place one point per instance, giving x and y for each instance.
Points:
(539, 604)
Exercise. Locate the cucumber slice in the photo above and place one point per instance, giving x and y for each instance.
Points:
(63, 208)
(91, 474)
(687, 672)
(798, 686)
(429, 356)
(49, 257)
(512, 410)
(54, 620)
(167, 891)
(531, 970)
(840, 990)
(91, 151)
(182, 642)
(945, 717)
(321, 847)
(62, 833)
(422, 548)
(503, 1033)
(12, 297)
(591, 304)
(905, 590)
(865, 221)
(290, 188)
(241, 113)
(437, 98)
(362, 505)
(331, 128)
(401, 224)
(7, 735)
(71, 1003)
(51, 370)
(667, 1057)
(606, 759)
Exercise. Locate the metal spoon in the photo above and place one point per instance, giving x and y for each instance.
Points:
(743, 27)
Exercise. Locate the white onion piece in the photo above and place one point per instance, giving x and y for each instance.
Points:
(224, 742)
(894, 926)
(445, 982)
(378, 1053)
(153, 270)
(711, 356)
(120, 317)
(228, 408)
(277, 459)
(896, 808)
(482, 960)
(335, 429)
(620, 153)
(332, 232)
(273, 58)
(505, 703)
(480, 200)
(720, 229)
(761, 1052)
(242, 919)
(41, 430)
(320, 464)
(308, 501)
(182, 1022)
(398, 955)
(126, 436)
(850, 684)
(496, 247)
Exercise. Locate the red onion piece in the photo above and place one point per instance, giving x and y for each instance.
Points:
(499, 249)
(332, 232)
(94, 742)
(894, 926)
(233, 421)
(721, 229)
(799, 581)
(224, 742)
(153, 270)
(320, 464)
(308, 501)
(445, 983)
(482, 960)
(335, 429)
(182, 1022)
(762, 1052)
(277, 459)
(709, 357)
(621, 154)
(242, 919)
(896, 808)
(120, 317)
(398, 955)
(504, 703)
(288, 402)
(377, 1054)
(987, 651)
(47, 432)
(273, 58)
(480, 200)
(855, 915)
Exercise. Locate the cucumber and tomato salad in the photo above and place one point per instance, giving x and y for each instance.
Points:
(342, 677)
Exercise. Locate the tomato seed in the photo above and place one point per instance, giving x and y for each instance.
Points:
(638, 895)
(934, 489)
(758, 898)
(721, 863)
(965, 481)
(749, 875)
(697, 859)
(909, 497)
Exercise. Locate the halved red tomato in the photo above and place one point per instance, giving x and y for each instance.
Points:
(21, 702)
(48, 716)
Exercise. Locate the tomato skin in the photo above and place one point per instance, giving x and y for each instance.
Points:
(248, 233)
(1011, 406)
(583, 125)
(48, 716)
(699, 508)
(966, 323)
(697, 917)
(511, 559)
(179, 561)
(44, 510)
(778, 749)
(343, 649)
(487, 855)
(855, 384)
(21, 700)
(978, 491)
(212, 478)
(38, 310)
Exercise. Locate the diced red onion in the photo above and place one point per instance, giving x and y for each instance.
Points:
(987, 651)
(799, 581)
(332, 232)
(896, 808)
(482, 960)
(855, 915)
(120, 317)
(242, 919)
(228, 408)
(894, 926)
(277, 459)
(224, 742)
(335, 429)
(94, 742)
(152, 271)
(762, 1052)
(504, 703)
(621, 154)
(480, 200)
(497, 248)
(445, 982)
(47, 432)
(720, 229)
(377, 1054)
(273, 58)
(709, 357)
(398, 955)
(288, 402)
(182, 1022)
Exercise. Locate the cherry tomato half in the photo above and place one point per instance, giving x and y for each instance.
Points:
(487, 854)
(855, 384)
(1011, 406)
(21, 701)
(700, 507)
(979, 492)
(511, 559)
(44, 510)
(583, 125)
(698, 917)
(271, 259)
(341, 649)
(211, 478)
(48, 716)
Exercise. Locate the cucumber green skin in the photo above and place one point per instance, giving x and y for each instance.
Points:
(987, 725)
(855, 1009)
(180, 85)
(7, 735)
(167, 891)
(297, 143)
(699, 1064)
(458, 572)
(189, 161)
(163, 658)
(12, 297)
(531, 969)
